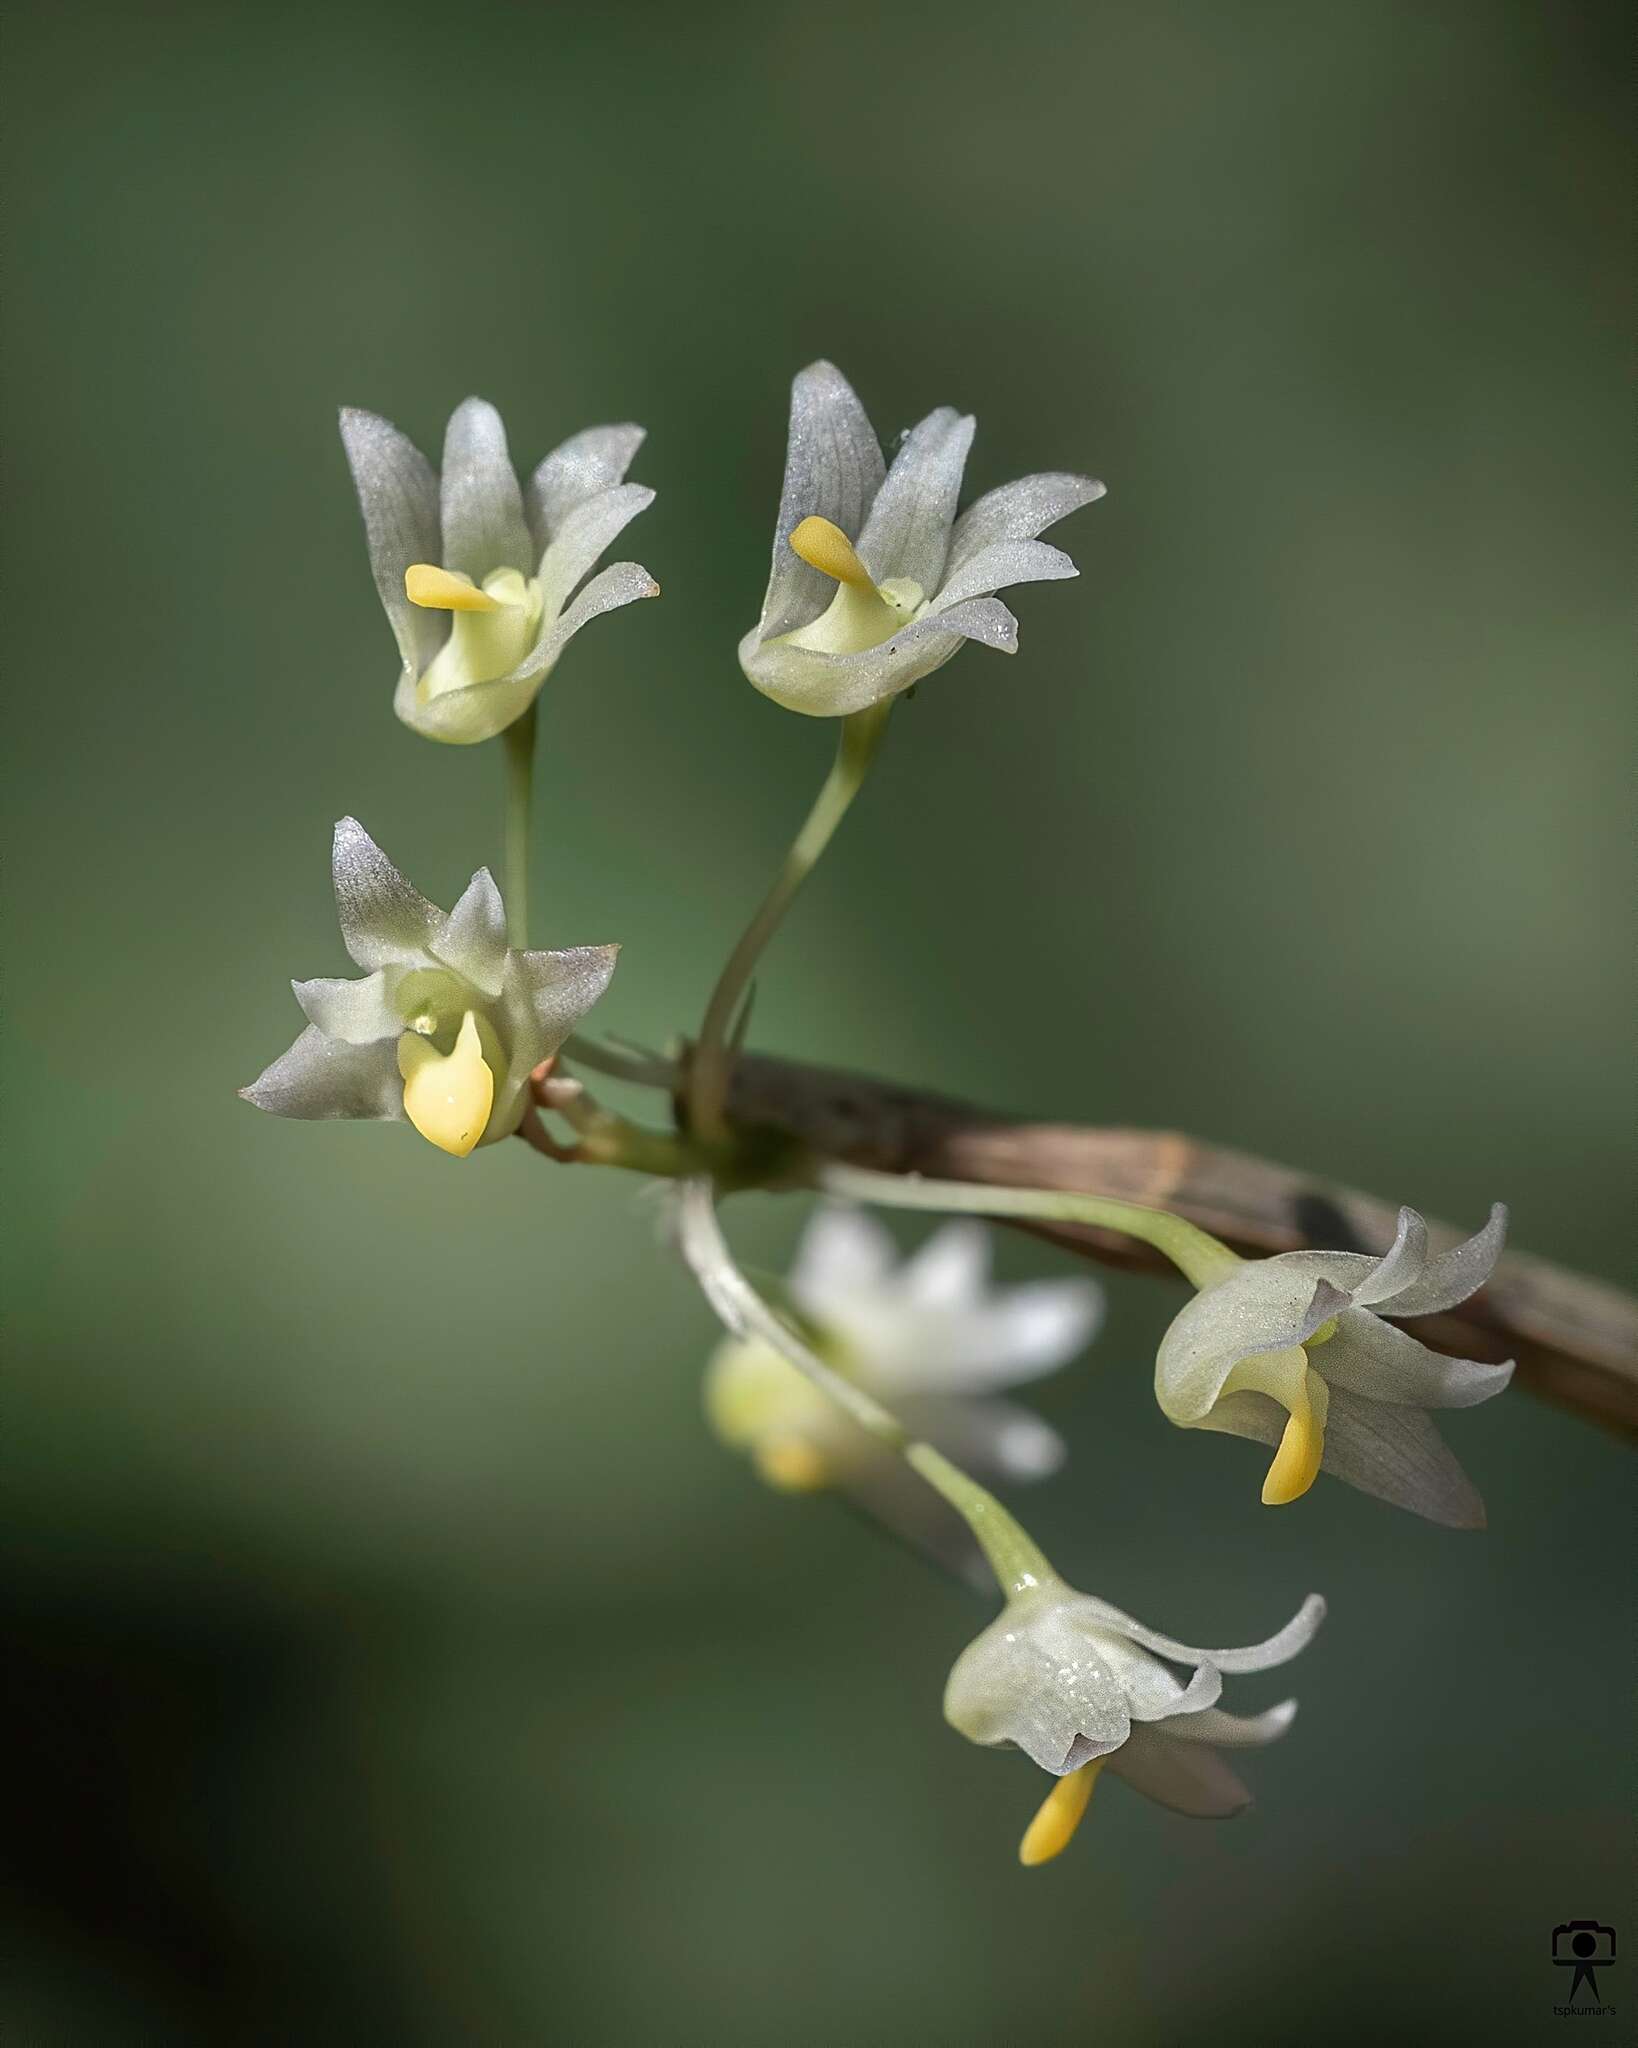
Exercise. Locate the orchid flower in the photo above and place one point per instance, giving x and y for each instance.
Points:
(478, 581)
(875, 581)
(1292, 1351)
(446, 1025)
(1076, 1684)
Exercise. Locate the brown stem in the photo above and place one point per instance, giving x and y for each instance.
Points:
(1575, 1339)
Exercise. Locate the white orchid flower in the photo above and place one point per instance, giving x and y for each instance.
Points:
(447, 1024)
(1077, 1684)
(875, 581)
(930, 1338)
(478, 583)
(1292, 1351)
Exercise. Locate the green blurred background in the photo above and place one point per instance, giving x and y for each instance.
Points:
(398, 1659)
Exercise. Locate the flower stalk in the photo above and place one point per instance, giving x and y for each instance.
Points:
(712, 1066)
(1201, 1258)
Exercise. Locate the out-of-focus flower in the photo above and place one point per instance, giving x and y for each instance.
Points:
(875, 581)
(478, 584)
(1077, 1684)
(930, 1338)
(447, 1024)
(1292, 1351)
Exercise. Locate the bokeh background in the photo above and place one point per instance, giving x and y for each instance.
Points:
(398, 1661)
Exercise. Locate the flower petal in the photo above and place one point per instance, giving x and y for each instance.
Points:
(472, 939)
(584, 533)
(998, 1439)
(1372, 1358)
(481, 505)
(587, 464)
(563, 985)
(384, 921)
(1152, 1693)
(1005, 563)
(833, 468)
(1454, 1275)
(951, 1268)
(908, 530)
(1400, 1264)
(1035, 1679)
(1279, 1648)
(1018, 511)
(356, 1012)
(832, 685)
(1235, 1731)
(1186, 1776)
(1393, 1453)
(843, 1252)
(398, 495)
(320, 1078)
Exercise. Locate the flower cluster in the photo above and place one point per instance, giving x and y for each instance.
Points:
(883, 1379)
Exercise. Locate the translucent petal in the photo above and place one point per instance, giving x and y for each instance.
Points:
(585, 532)
(1370, 1357)
(588, 463)
(1279, 1648)
(1018, 511)
(481, 506)
(908, 530)
(1234, 1731)
(1265, 1305)
(833, 468)
(1035, 1678)
(562, 986)
(951, 1268)
(1152, 1693)
(1188, 1777)
(1393, 1453)
(832, 685)
(997, 1439)
(844, 1251)
(1401, 1263)
(1005, 563)
(472, 939)
(398, 495)
(384, 921)
(357, 1012)
(1454, 1275)
(320, 1078)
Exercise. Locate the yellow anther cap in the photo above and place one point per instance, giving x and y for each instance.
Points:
(441, 590)
(826, 547)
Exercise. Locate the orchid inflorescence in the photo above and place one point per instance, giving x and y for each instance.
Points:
(883, 1381)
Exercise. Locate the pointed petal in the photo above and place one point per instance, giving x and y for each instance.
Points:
(1279, 1648)
(1186, 1776)
(1401, 1263)
(950, 1269)
(1234, 1731)
(472, 939)
(583, 535)
(1006, 563)
(356, 1012)
(1018, 511)
(1455, 1274)
(843, 1252)
(320, 1078)
(481, 506)
(1152, 1693)
(564, 985)
(832, 685)
(1395, 1454)
(398, 496)
(1372, 1358)
(588, 463)
(833, 468)
(998, 1439)
(384, 921)
(908, 530)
